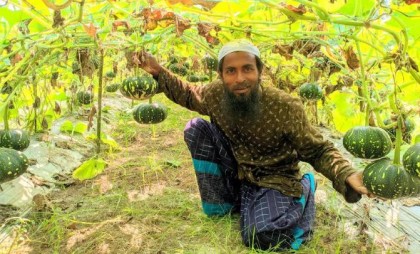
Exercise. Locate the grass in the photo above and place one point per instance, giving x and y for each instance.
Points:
(147, 201)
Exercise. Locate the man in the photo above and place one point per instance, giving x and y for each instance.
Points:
(246, 158)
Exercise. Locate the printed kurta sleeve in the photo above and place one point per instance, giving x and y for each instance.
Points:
(189, 96)
(320, 153)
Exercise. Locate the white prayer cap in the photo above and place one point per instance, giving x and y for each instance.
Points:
(238, 45)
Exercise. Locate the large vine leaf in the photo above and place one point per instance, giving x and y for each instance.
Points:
(89, 169)
(12, 16)
(357, 8)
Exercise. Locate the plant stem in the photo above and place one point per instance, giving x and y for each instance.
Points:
(6, 117)
(98, 122)
(398, 141)
(365, 89)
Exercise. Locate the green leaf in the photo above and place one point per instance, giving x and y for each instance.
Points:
(60, 96)
(357, 8)
(105, 139)
(89, 169)
(344, 115)
(173, 163)
(409, 22)
(12, 16)
(66, 126)
(417, 139)
(111, 142)
(80, 127)
(106, 108)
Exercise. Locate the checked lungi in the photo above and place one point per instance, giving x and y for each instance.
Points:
(269, 219)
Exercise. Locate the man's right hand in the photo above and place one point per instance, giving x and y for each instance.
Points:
(147, 62)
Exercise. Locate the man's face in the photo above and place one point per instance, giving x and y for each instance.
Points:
(241, 81)
(240, 74)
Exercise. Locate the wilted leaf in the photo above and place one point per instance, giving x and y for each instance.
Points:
(204, 3)
(306, 47)
(118, 23)
(413, 64)
(58, 20)
(205, 29)
(153, 18)
(89, 169)
(299, 10)
(90, 29)
(412, 1)
(37, 102)
(351, 58)
(57, 108)
(284, 50)
(181, 25)
(90, 117)
(44, 124)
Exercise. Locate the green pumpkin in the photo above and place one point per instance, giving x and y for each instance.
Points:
(387, 180)
(139, 88)
(112, 88)
(193, 78)
(16, 139)
(311, 91)
(150, 113)
(204, 78)
(367, 142)
(110, 75)
(411, 160)
(12, 164)
(84, 97)
(178, 68)
(408, 128)
(173, 59)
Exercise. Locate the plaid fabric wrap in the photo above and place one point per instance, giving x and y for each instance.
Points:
(269, 219)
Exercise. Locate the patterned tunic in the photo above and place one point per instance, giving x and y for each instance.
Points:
(268, 148)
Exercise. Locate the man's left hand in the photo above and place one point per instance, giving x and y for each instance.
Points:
(355, 181)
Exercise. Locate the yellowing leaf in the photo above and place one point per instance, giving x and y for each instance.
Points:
(90, 29)
(89, 169)
(232, 8)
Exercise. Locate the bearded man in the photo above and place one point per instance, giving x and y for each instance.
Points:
(246, 158)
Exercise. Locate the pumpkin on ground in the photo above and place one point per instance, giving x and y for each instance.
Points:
(110, 75)
(150, 113)
(193, 78)
(204, 78)
(311, 91)
(411, 160)
(84, 97)
(112, 88)
(139, 88)
(15, 139)
(367, 142)
(178, 68)
(12, 164)
(387, 180)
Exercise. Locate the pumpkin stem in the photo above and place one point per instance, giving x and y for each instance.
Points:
(398, 141)
(6, 117)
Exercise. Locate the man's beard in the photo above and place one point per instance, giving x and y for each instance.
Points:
(241, 106)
